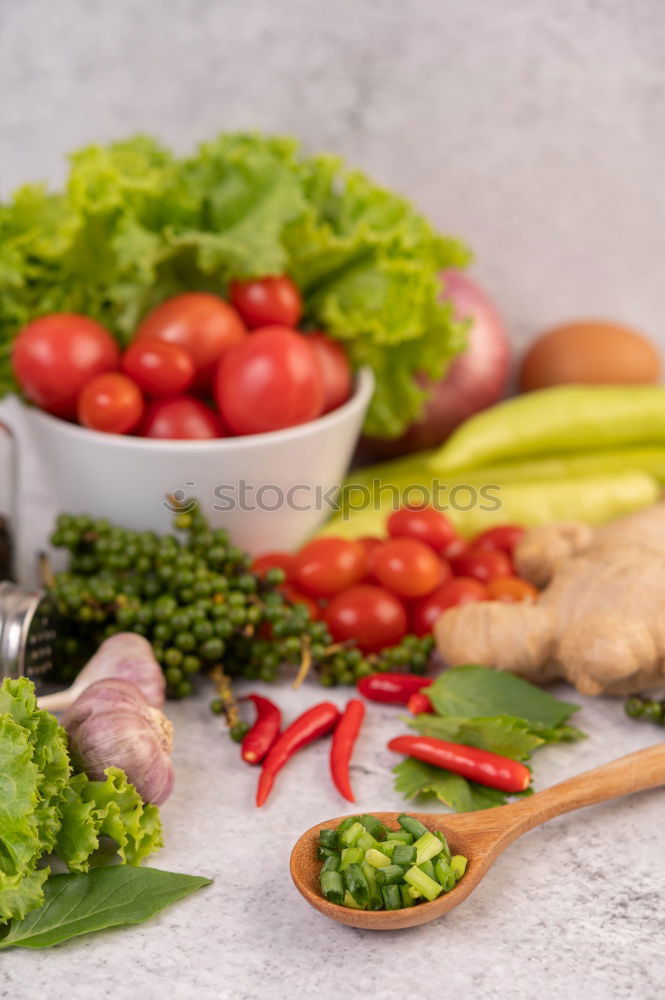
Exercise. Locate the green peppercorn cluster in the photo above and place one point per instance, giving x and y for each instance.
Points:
(193, 595)
(650, 709)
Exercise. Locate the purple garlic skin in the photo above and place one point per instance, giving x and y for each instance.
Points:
(112, 725)
(129, 657)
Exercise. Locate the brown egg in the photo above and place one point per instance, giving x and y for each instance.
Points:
(589, 351)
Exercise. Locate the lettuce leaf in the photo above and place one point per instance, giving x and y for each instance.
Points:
(136, 224)
(44, 809)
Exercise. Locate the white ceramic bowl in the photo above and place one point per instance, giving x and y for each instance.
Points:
(268, 490)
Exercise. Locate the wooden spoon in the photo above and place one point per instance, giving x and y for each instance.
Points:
(480, 836)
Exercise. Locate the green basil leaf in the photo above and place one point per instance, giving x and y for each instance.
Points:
(415, 778)
(105, 897)
(478, 691)
(500, 734)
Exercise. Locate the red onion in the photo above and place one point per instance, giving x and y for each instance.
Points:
(476, 379)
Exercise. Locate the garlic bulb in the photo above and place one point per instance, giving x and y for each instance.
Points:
(125, 656)
(112, 725)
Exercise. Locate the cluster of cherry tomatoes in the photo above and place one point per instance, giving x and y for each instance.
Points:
(199, 367)
(374, 591)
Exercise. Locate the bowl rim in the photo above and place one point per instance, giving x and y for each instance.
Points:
(363, 389)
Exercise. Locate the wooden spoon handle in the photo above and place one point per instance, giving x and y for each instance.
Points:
(634, 773)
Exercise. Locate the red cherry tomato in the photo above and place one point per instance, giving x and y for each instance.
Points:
(328, 565)
(298, 597)
(371, 616)
(205, 325)
(482, 564)
(265, 301)
(183, 418)
(369, 543)
(455, 547)
(408, 567)
(335, 370)
(503, 538)
(275, 560)
(511, 588)
(269, 381)
(424, 523)
(461, 590)
(158, 368)
(54, 356)
(111, 402)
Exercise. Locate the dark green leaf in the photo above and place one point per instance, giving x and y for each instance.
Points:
(500, 734)
(415, 778)
(95, 900)
(478, 691)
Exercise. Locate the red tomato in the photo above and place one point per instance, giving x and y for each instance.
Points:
(328, 565)
(158, 368)
(267, 301)
(296, 596)
(424, 523)
(455, 547)
(205, 325)
(511, 588)
(183, 418)
(461, 590)
(371, 616)
(482, 564)
(275, 560)
(111, 402)
(369, 543)
(407, 567)
(269, 381)
(503, 538)
(335, 370)
(54, 356)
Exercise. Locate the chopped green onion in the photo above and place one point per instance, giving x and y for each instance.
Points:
(367, 842)
(423, 883)
(356, 883)
(444, 874)
(345, 824)
(351, 835)
(325, 852)
(351, 856)
(427, 847)
(458, 864)
(375, 897)
(377, 859)
(332, 887)
(367, 867)
(373, 826)
(440, 835)
(411, 825)
(407, 898)
(328, 838)
(428, 868)
(401, 836)
(392, 897)
(405, 855)
(391, 875)
(351, 903)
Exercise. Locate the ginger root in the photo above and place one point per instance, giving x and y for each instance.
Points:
(600, 621)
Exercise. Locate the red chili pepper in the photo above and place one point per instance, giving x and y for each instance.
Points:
(315, 722)
(393, 689)
(419, 702)
(486, 768)
(343, 742)
(264, 732)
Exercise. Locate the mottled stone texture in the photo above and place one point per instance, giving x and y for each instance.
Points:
(536, 130)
